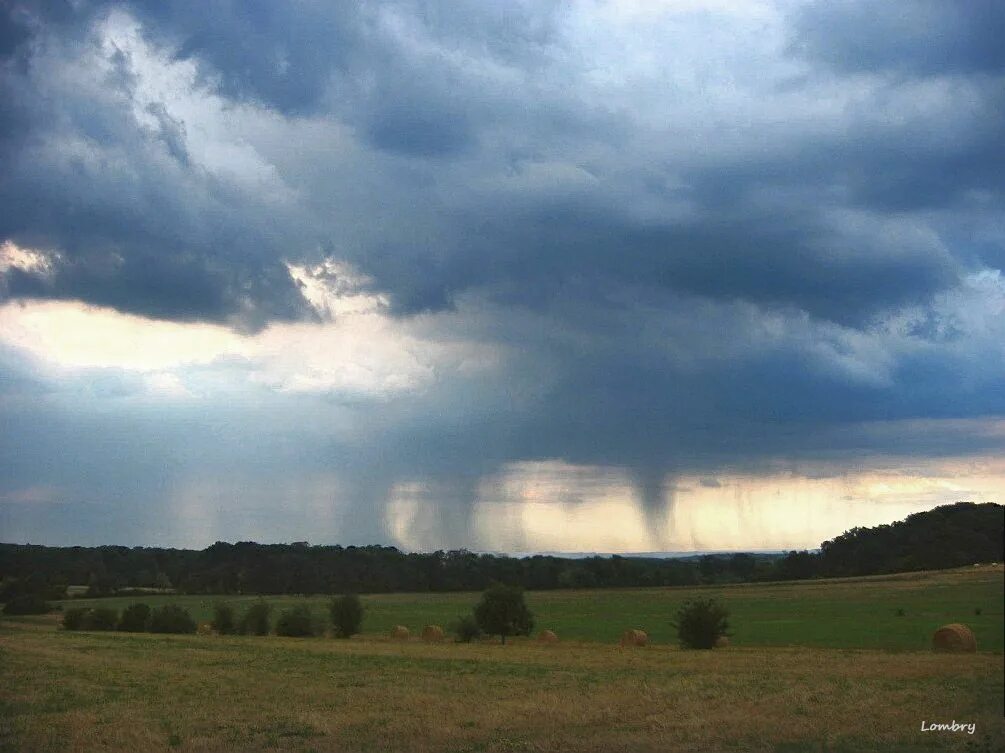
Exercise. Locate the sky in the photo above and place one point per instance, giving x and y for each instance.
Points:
(597, 275)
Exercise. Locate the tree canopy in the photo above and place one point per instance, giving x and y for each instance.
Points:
(503, 612)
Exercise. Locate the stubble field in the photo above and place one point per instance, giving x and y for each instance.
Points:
(823, 666)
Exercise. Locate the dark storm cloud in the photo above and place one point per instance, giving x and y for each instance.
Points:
(755, 407)
(347, 59)
(781, 258)
(699, 389)
(687, 275)
(288, 57)
(268, 52)
(179, 287)
(953, 48)
(410, 80)
(914, 37)
(126, 220)
(419, 128)
(13, 34)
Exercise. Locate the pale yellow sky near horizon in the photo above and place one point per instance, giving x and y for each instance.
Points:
(553, 506)
(557, 507)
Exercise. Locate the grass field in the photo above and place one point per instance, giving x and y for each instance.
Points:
(847, 613)
(64, 691)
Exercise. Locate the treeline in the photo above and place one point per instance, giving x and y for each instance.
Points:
(250, 568)
(948, 536)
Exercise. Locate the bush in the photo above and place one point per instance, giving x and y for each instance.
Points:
(701, 622)
(102, 618)
(223, 619)
(171, 618)
(347, 615)
(27, 604)
(135, 618)
(75, 618)
(465, 629)
(296, 622)
(502, 611)
(33, 585)
(256, 621)
(9, 588)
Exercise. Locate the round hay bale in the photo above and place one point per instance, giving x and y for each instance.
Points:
(204, 628)
(547, 636)
(722, 642)
(955, 638)
(400, 633)
(634, 638)
(432, 634)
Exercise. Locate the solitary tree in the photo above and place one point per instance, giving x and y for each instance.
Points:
(256, 620)
(296, 622)
(101, 618)
(135, 618)
(74, 618)
(502, 611)
(223, 619)
(347, 615)
(171, 618)
(701, 622)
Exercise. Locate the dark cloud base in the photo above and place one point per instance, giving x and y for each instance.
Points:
(713, 292)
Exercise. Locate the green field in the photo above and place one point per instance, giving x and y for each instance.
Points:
(848, 613)
(852, 680)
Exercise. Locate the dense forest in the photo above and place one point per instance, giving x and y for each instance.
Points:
(948, 536)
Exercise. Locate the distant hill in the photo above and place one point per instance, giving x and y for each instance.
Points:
(948, 536)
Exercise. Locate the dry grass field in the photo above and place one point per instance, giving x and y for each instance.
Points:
(64, 691)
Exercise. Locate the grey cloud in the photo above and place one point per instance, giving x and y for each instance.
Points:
(920, 37)
(180, 288)
(259, 51)
(387, 72)
(127, 221)
(685, 298)
(418, 127)
(617, 401)
(289, 59)
(172, 131)
(13, 33)
(778, 258)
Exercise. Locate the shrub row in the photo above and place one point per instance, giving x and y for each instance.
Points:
(27, 604)
(345, 612)
(136, 618)
(700, 623)
(298, 621)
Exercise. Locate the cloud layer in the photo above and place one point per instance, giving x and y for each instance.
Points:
(419, 242)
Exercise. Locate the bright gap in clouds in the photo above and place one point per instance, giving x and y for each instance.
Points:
(355, 348)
